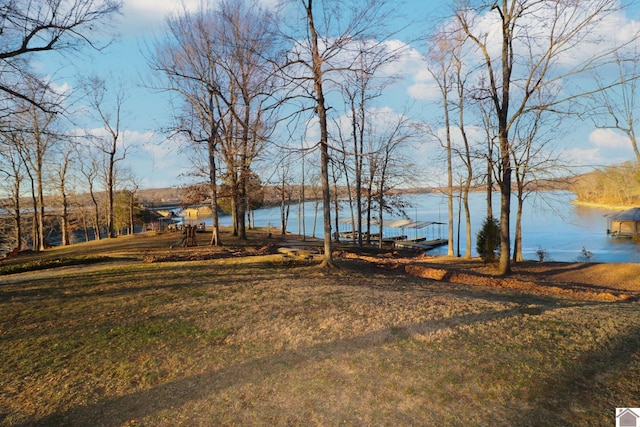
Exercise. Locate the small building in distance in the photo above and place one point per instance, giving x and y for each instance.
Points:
(624, 224)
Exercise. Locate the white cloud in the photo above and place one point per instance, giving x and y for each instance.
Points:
(63, 88)
(155, 162)
(160, 6)
(577, 157)
(609, 139)
(606, 147)
(424, 86)
(409, 60)
(143, 16)
(423, 91)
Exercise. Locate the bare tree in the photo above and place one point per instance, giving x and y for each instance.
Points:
(324, 47)
(616, 101)
(534, 37)
(217, 63)
(536, 163)
(90, 169)
(11, 171)
(465, 152)
(284, 190)
(362, 85)
(443, 60)
(64, 164)
(111, 144)
(35, 136)
(32, 26)
(390, 161)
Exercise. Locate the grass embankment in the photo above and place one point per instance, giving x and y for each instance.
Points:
(249, 341)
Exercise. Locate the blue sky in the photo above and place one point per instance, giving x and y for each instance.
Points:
(158, 163)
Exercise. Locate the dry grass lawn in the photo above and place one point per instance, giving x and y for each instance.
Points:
(235, 336)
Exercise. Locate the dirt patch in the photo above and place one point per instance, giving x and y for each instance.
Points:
(588, 281)
(209, 254)
(531, 286)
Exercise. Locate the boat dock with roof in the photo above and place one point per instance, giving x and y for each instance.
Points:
(403, 234)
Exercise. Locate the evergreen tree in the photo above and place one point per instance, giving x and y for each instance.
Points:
(488, 240)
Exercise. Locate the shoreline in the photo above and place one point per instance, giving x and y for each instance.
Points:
(601, 205)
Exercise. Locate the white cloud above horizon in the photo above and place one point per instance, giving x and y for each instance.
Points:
(605, 147)
(609, 139)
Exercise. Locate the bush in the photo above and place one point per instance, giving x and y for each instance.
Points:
(488, 240)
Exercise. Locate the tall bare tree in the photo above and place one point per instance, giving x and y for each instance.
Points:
(389, 160)
(111, 143)
(90, 169)
(530, 52)
(61, 175)
(12, 174)
(217, 62)
(326, 45)
(442, 71)
(616, 101)
(362, 85)
(35, 136)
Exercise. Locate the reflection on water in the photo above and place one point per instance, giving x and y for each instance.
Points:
(550, 223)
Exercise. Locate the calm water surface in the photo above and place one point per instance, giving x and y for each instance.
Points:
(550, 223)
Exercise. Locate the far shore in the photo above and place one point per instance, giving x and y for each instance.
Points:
(612, 207)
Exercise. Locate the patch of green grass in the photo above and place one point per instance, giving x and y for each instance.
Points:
(152, 332)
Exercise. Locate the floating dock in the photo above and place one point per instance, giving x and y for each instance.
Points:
(420, 245)
(402, 240)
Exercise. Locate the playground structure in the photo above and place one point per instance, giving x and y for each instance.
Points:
(189, 237)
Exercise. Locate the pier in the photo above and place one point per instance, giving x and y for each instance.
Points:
(402, 239)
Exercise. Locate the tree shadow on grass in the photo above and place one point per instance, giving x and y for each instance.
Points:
(103, 284)
(114, 411)
(587, 390)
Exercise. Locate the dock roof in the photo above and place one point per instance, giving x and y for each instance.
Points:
(632, 214)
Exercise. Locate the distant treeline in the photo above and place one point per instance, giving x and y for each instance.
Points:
(612, 185)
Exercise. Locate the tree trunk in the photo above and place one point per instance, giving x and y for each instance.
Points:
(505, 205)
(450, 251)
(467, 216)
(40, 216)
(35, 235)
(110, 199)
(284, 209)
(336, 205)
(517, 244)
(215, 234)
(65, 204)
(17, 217)
(96, 220)
(380, 213)
(65, 221)
(324, 137)
(369, 209)
(490, 183)
(242, 206)
(131, 215)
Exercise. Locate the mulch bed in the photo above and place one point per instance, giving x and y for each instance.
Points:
(585, 281)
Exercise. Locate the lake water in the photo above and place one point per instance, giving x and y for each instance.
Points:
(550, 223)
